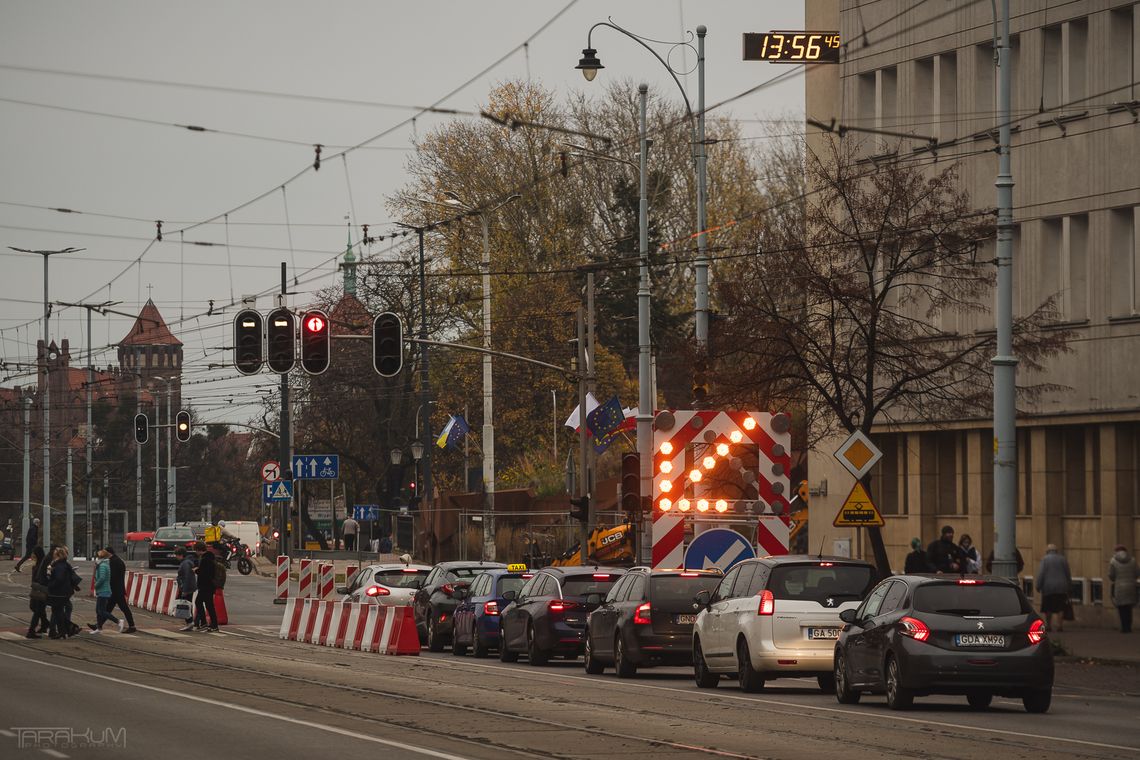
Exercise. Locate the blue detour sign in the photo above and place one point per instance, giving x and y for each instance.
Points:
(718, 547)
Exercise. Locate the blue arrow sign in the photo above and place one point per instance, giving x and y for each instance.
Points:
(718, 547)
(316, 466)
(366, 511)
(280, 490)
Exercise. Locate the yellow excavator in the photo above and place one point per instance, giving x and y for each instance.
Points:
(605, 546)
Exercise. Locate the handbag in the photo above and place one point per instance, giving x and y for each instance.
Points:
(182, 609)
(38, 592)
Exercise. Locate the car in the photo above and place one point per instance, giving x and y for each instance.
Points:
(646, 619)
(389, 585)
(165, 541)
(776, 617)
(435, 601)
(476, 621)
(917, 635)
(547, 616)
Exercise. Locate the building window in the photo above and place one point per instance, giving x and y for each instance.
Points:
(1048, 281)
(1122, 262)
(1051, 67)
(886, 103)
(936, 96)
(1074, 268)
(1120, 71)
(1075, 36)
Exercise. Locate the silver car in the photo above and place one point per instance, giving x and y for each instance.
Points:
(391, 585)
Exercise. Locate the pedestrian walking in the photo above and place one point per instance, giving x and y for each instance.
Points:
(972, 560)
(187, 584)
(944, 555)
(1054, 581)
(1122, 576)
(349, 529)
(63, 581)
(103, 595)
(207, 578)
(31, 541)
(38, 595)
(119, 588)
(916, 561)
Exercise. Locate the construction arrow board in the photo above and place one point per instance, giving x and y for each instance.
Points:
(858, 455)
(316, 466)
(858, 511)
(717, 547)
(281, 490)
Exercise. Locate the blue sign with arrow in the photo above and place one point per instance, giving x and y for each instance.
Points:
(366, 511)
(278, 490)
(316, 466)
(718, 547)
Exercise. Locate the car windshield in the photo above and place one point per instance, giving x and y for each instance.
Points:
(983, 599)
(820, 581)
(174, 534)
(584, 585)
(669, 591)
(400, 578)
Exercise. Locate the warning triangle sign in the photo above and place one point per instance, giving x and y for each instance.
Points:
(858, 511)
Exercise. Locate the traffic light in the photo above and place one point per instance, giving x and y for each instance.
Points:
(580, 508)
(249, 351)
(281, 340)
(700, 379)
(631, 483)
(316, 341)
(387, 344)
(182, 426)
(142, 429)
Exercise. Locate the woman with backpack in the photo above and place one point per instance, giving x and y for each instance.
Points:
(63, 581)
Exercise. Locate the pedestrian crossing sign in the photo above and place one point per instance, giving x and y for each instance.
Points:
(858, 511)
(280, 490)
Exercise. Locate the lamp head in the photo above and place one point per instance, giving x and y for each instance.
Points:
(589, 64)
(417, 450)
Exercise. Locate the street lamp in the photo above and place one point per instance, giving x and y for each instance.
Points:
(397, 456)
(589, 65)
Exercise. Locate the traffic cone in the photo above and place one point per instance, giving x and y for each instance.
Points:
(220, 607)
(408, 641)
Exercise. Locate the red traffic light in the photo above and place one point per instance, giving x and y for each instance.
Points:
(316, 342)
(315, 323)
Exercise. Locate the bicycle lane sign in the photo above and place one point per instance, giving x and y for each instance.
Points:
(316, 466)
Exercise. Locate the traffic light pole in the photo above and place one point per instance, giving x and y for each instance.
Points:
(583, 441)
(425, 382)
(286, 461)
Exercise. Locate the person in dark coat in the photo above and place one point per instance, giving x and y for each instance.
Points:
(63, 581)
(207, 579)
(119, 588)
(916, 561)
(31, 541)
(187, 582)
(38, 595)
(944, 555)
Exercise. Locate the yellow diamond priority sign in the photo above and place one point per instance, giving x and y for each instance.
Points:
(858, 454)
(858, 511)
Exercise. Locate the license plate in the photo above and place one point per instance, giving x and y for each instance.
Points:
(684, 619)
(823, 633)
(979, 640)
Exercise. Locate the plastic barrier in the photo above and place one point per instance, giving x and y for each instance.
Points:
(305, 579)
(326, 581)
(220, 607)
(282, 579)
(349, 571)
(348, 625)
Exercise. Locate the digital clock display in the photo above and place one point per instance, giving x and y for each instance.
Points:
(792, 47)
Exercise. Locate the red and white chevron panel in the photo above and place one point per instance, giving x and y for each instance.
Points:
(305, 581)
(673, 434)
(347, 625)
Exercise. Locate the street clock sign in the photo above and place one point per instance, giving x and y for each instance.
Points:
(792, 47)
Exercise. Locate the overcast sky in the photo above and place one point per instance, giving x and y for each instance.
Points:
(293, 62)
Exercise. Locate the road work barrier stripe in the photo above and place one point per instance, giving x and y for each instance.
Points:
(282, 576)
(326, 577)
(305, 579)
(352, 626)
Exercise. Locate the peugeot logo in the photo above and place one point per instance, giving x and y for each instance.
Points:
(829, 602)
(981, 626)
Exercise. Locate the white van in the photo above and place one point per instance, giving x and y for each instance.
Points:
(246, 531)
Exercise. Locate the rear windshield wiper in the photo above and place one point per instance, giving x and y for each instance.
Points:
(958, 611)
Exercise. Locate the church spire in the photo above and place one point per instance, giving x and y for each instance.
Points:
(349, 267)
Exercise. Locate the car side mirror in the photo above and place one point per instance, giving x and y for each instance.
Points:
(342, 589)
(593, 598)
(510, 596)
(702, 599)
(849, 617)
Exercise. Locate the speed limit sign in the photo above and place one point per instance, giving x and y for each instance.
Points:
(271, 472)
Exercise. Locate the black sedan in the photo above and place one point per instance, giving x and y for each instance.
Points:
(646, 619)
(435, 601)
(165, 541)
(547, 616)
(916, 635)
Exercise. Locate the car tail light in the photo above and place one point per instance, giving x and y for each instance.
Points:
(447, 588)
(641, 615)
(767, 603)
(490, 608)
(409, 570)
(690, 575)
(969, 582)
(827, 564)
(528, 575)
(914, 628)
(559, 605)
(377, 591)
(1036, 631)
(601, 576)
(158, 544)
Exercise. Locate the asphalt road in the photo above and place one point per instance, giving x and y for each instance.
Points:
(247, 690)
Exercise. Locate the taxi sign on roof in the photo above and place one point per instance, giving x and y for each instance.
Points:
(516, 567)
(858, 511)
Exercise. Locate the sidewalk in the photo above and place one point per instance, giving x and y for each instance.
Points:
(1100, 644)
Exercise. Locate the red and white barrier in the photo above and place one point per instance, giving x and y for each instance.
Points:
(349, 571)
(305, 579)
(282, 579)
(348, 625)
(325, 590)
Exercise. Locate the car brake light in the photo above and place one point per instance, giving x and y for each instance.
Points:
(559, 605)
(914, 628)
(690, 575)
(447, 588)
(969, 582)
(767, 603)
(601, 576)
(528, 575)
(641, 615)
(159, 544)
(1036, 631)
(377, 591)
(827, 564)
(409, 570)
(491, 608)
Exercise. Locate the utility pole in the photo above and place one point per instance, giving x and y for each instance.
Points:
(138, 472)
(645, 348)
(286, 510)
(171, 489)
(1004, 363)
(157, 473)
(425, 382)
(701, 265)
(591, 388)
(488, 404)
(27, 466)
(69, 496)
(583, 441)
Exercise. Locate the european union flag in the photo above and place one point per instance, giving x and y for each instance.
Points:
(453, 432)
(604, 423)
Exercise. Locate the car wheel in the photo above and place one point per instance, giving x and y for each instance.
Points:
(826, 683)
(979, 700)
(593, 666)
(434, 637)
(701, 674)
(750, 680)
(478, 648)
(535, 655)
(1037, 701)
(844, 694)
(898, 698)
(622, 665)
(505, 655)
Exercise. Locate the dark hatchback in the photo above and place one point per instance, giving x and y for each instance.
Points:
(165, 541)
(476, 621)
(916, 635)
(435, 601)
(547, 616)
(646, 619)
